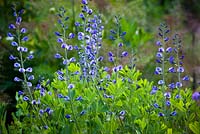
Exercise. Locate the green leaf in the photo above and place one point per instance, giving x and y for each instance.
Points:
(192, 116)
(142, 123)
(180, 106)
(72, 94)
(163, 126)
(73, 67)
(195, 127)
(119, 103)
(169, 131)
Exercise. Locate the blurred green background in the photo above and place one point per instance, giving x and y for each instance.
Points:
(140, 19)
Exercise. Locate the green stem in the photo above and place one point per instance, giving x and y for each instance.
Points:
(73, 15)
(73, 113)
(179, 73)
(66, 80)
(22, 65)
(66, 57)
(163, 63)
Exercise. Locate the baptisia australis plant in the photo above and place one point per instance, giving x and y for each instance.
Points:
(170, 62)
(19, 40)
(116, 58)
(90, 38)
(63, 39)
(84, 99)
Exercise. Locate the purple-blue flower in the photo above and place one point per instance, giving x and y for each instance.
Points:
(16, 79)
(22, 70)
(85, 2)
(33, 102)
(13, 43)
(60, 40)
(167, 95)
(11, 57)
(18, 20)
(31, 77)
(11, 26)
(171, 70)
(25, 98)
(20, 92)
(65, 61)
(161, 114)
(9, 34)
(168, 103)
(17, 65)
(90, 11)
(158, 43)
(172, 86)
(60, 96)
(69, 47)
(77, 24)
(119, 67)
(71, 35)
(23, 30)
(57, 56)
(180, 69)
(178, 84)
(71, 86)
(82, 16)
(159, 55)
(66, 98)
(166, 39)
(169, 50)
(154, 90)
(158, 70)
(122, 113)
(41, 111)
(124, 54)
(156, 105)
(25, 38)
(196, 96)
(73, 59)
(100, 58)
(161, 49)
(110, 54)
(173, 113)
(120, 44)
(161, 82)
(80, 36)
(82, 112)
(79, 98)
(58, 34)
(29, 69)
(30, 57)
(177, 96)
(123, 33)
(29, 84)
(111, 59)
(171, 60)
(67, 116)
(186, 78)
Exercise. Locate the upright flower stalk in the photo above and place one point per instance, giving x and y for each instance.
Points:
(62, 39)
(19, 38)
(90, 37)
(180, 69)
(160, 56)
(166, 54)
(117, 36)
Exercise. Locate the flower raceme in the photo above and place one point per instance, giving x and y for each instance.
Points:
(18, 33)
(169, 62)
